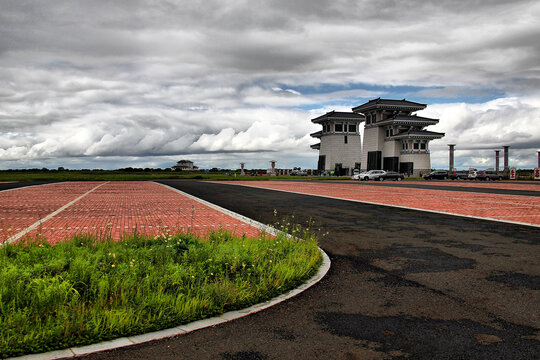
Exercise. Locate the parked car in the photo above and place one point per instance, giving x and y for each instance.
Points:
(391, 175)
(488, 175)
(298, 172)
(437, 174)
(457, 175)
(472, 175)
(368, 175)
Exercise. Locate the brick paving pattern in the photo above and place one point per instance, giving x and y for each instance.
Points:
(521, 209)
(114, 208)
(480, 184)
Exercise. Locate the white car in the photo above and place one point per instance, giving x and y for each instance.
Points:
(369, 175)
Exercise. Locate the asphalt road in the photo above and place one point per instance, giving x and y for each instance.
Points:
(403, 284)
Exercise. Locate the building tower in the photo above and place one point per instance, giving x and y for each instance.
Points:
(394, 138)
(340, 145)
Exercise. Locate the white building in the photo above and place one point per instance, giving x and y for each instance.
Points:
(185, 165)
(395, 139)
(340, 148)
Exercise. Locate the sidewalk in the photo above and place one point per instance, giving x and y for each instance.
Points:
(58, 211)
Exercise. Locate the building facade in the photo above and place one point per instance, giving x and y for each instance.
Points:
(340, 145)
(185, 165)
(395, 139)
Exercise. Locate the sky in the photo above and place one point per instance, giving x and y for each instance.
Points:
(112, 84)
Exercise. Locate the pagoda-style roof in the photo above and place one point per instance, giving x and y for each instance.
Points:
(408, 120)
(389, 104)
(316, 146)
(418, 134)
(339, 115)
(317, 134)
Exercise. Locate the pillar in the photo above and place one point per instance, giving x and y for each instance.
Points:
(497, 159)
(538, 158)
(506, 157)
(242, 173)
(451, 156)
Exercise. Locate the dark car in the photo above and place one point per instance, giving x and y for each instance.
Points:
(390, 175)
(488, 175)
(458, 175)
(437, 174)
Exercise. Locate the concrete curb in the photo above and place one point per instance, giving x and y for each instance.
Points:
(200, 324)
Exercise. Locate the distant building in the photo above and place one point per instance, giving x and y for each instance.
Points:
(394, 138)
(185, 165)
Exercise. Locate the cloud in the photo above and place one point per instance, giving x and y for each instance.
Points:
(114, 82)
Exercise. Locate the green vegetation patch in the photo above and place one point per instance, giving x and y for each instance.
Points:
(83, 291)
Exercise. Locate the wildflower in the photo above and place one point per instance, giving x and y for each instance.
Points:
(113, 265)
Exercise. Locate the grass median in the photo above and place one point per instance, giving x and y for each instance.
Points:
(87, 290)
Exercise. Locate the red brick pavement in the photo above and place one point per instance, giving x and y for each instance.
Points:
(521, 209)
(115, 208)
(20, 208)
(482, 184)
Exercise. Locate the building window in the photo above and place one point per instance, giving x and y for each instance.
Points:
(352, 128)
(368, 119)
(389, 132)
(339, 127)
(423, 146)
(405, 145)
(345, 139)
(416, 146)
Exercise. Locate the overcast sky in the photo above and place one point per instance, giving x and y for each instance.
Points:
(111, 84)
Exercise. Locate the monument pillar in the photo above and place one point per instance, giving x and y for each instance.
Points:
(451, 148)
(242, 173)
(506, 157)
(497, 160)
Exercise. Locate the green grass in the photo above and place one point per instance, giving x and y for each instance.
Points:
(119, 175)
(83, 291)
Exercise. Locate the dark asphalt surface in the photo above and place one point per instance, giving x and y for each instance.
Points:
(20, 184)
(403, 284)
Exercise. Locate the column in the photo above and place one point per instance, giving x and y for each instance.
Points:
(497, 160)
(451, 156)
(506, 157)
(242, 173)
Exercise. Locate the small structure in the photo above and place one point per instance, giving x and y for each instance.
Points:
(242, 173)
(272, 170)
(185, 165)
